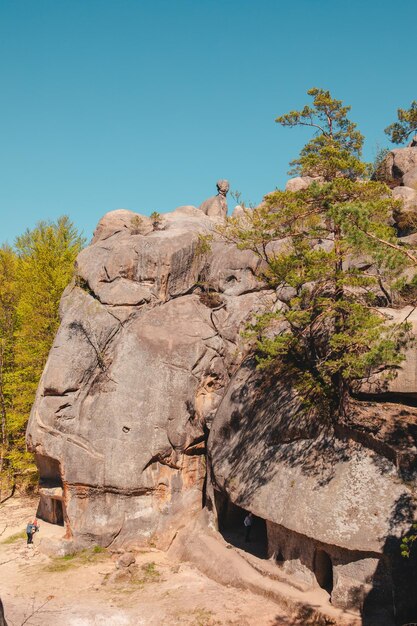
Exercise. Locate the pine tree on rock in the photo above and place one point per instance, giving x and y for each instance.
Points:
(406, 125)
(332, 249)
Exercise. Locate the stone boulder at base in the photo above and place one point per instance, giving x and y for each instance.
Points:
(336, 499)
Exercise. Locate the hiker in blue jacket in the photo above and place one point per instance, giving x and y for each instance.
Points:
(31, 529)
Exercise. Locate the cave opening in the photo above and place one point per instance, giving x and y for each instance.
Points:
(231, 526)
(51, 510)
(323, 570)
(51, 506)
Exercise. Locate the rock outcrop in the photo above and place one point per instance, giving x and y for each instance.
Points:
(331, 496)
(216, 206)
(149, 408)
(148, 341)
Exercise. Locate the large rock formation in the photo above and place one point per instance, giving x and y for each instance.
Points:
(149, 360)
(332, 496)
(148, 340)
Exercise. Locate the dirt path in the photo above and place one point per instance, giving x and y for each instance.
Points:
(39, 590)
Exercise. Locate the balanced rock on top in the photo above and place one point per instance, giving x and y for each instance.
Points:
(216, 206)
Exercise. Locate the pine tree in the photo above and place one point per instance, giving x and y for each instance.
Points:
(332, 248)
(336, 147)
(406, 125)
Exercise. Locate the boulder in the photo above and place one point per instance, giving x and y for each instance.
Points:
(408, 196)
(398, 162)
(125, 560)
(410, 179)
(332, 496)
(301, 182)
(149, 335)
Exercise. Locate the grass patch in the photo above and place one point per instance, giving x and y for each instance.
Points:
(15, 537)
(78, 559)
(199, 617)
(148, 573)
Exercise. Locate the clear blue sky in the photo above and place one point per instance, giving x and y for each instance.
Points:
(144, 104)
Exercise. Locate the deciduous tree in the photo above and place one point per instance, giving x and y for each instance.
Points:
(33, 279)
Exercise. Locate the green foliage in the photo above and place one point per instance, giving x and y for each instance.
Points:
(77, 559)
(136, 224)
(400, 131)
(331, 332)
(8, 321)
(408, 541)
(336, 147)
(156, 220)
(148, 573)
(203, 245)
(378, 171)
(33, 277)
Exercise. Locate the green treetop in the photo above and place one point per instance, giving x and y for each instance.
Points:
(32, 278)
(406, 125)
(331, 248)
(336, 146)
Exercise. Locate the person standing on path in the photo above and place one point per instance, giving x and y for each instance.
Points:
(248, 521)
(31, 529)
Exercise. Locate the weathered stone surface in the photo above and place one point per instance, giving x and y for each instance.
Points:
(296, 473)
(410, 179)
(119, 421)
(301, 182)
(149, 358)
(120, 221)
(408, 197)
(398, 162)
(334, 498)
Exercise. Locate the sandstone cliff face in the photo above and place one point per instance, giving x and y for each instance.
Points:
(135, 375)
(148, 364)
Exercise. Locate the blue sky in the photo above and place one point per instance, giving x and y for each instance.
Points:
(144, 104)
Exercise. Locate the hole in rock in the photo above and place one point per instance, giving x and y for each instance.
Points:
(51, 507)
(231, 526)
(279, 558)
(51, 510)
(49, 471)
(323, 570)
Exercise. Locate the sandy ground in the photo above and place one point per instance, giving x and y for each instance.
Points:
(40, 590)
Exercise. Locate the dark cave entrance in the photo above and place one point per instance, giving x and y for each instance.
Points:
(231, 526)
(323, 570)
(51, 506)
(51, 510)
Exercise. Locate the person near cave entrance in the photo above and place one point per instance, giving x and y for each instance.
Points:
(247, 522)
(31, 529)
